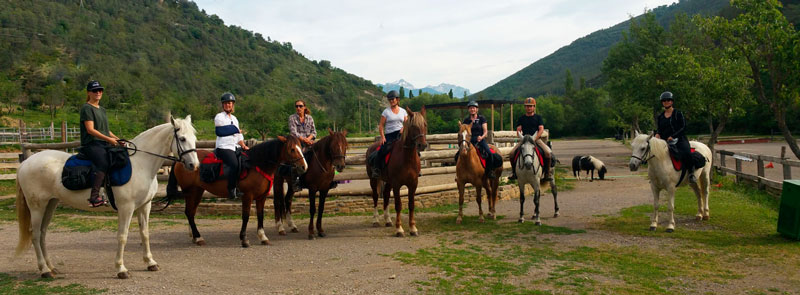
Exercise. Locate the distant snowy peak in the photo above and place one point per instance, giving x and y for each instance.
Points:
(442, 88)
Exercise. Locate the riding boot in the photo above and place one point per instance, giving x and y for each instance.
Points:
(546, 167)
(513, 168)
(172, 187)
(95, 200)
(297, 185)
(691, 169)
(374, 163)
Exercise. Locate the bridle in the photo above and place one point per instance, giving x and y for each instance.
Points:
(181, 152)
(644, 157)
(524, 155)
(333, 157)
(414, 139)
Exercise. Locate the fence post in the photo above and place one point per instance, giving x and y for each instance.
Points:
(52, 131)
(787, 170)
(21, 131)
(760, 163)
(722, 163)
(738, 170)
(63, 131)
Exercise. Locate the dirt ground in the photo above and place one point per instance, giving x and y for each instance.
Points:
(351, 259)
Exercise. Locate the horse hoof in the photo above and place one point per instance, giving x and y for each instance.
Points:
(376, 224)
(538, 223)
(282, 233)
(556, 215)
(311, 237)
(54, 271)
(322, 234)
(414, 234)
(389, 224)
(521, 220)
(399, 235)
(47, 275)
(652, 228)
(266, 243)
(669, 230)
(698, 218)
(458, 221)
(245, 244)
(705, 217)
(152, 268)
(123, 275)
(294, 230)
(200, 242)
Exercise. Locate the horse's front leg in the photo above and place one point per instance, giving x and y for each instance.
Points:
(247, 200)
(373, 184)
(479, 200)
(262, 236)
(398, 208)
(654, 218)
(387, 219)
(696, 189)
(123, 223)
(322, 196)
(144, 232)
(412, 224)
(521, 202)
(288, 201)
(671, 196)
(460, 185)
(312, 208)
(554, 190)
(537, 193)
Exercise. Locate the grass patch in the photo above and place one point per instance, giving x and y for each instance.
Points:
(8, 187)
(10, 285)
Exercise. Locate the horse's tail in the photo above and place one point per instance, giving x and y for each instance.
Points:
(24, 221)
(279, 203)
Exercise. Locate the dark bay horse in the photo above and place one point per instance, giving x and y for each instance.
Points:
(403, 169)
(470, 170)
(266, 156)
(323, 157)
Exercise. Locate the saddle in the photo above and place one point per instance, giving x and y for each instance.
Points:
(538, 153)
(212, 168)
(77, 172)
(698, 159)
(491, 153)
(388, 152)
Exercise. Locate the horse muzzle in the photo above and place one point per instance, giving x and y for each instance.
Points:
(634, 165)
(299, 170)
(190, 166)
(339, 168)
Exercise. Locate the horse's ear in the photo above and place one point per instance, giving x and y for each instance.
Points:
(635, 132)
(189, 119)
(344, 132)
(282, 138)
(330, 131)
(172, 120)
(519, 134)
(409, 111)
(422, 111)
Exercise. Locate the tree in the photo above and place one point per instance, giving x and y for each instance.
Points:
(411, 94)
(569, 84)
(450, 94)
(419, 92)
(402, 92)
(770, 45)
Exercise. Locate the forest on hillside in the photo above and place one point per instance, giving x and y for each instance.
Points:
(154, 57)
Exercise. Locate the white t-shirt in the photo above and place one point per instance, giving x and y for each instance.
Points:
(394, 122)
(229, 142)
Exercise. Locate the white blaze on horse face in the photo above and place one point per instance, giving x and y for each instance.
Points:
(463, 138)
(299, 150)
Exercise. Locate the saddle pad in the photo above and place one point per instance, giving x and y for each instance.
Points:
(483, 160)
(675, 163)
(117, 177)
(538, 155)
(388, 155)
(211, 159)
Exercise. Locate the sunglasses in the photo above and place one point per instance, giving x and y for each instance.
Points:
(97, 90)
(530, 105)
(299, 106)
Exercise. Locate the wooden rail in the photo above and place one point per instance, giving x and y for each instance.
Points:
(760, 180)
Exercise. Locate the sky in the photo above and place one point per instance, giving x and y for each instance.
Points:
(469, 43)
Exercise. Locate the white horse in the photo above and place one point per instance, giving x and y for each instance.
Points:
(39, 191)
(530, 172)
(654, 152)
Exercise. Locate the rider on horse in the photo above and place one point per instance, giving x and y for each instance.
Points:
(229, 139)
(301, 125)
(95, 138)
(528, 124)
(672, 128)
(479, 133)
(390, 127)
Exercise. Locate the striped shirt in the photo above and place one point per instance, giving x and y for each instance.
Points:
(302, 129)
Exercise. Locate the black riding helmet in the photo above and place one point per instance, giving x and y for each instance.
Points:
(392, 94)
(666, 96)
(472, 104)
(227, 96)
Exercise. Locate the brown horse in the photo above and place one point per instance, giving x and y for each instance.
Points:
(403, 169)
(323, 156)
(266, 156)
(470, 170)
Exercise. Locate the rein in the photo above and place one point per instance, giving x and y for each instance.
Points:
(414, 139)
(181, 152)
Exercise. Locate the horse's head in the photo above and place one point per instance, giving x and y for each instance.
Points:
(338, 149)
(464, 134)
(527, 151)
(185, 142)
(640, 150)
(292, 154)
(415, 129)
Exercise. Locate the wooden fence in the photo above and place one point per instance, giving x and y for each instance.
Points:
(760, 180)
(42, 134)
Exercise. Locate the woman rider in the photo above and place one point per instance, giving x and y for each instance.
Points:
(672, 127)
(390, 127)
(479, 131)
(229, 138)
(95, 138)
(301, 125)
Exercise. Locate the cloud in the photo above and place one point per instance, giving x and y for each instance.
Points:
(469, 43)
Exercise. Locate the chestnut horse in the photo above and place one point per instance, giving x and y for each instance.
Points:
(323, 156)
(266, 156)
(403, 169)
(470, 170)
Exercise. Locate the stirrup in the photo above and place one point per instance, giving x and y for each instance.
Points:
(100, 201)
(692, 178)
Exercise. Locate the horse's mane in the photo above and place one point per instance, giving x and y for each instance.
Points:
(528, 138)
(416, 120)
(658, 148)
(265, 153)
(183, 124)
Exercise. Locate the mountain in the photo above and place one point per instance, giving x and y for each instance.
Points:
(584, 56)
(442, 88)
(159, 56)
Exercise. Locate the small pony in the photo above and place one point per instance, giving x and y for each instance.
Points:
(588, 164)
